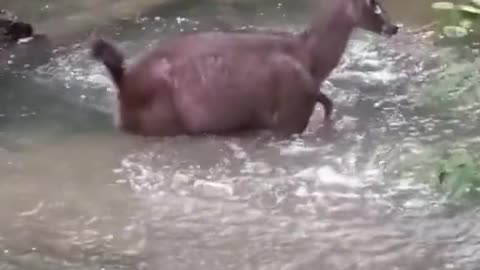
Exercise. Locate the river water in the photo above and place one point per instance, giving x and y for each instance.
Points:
(77, 194)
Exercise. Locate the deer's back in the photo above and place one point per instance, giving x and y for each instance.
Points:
(238, 42)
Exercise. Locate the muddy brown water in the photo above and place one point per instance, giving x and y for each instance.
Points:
(77, 194)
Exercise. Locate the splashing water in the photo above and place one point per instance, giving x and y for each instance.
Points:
(99, 199)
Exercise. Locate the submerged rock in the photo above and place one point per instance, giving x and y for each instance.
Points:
(20, 46)
(26, 53)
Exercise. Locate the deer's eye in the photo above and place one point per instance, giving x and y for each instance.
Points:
(371, 3)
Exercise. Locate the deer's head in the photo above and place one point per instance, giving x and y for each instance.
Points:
(371, 16)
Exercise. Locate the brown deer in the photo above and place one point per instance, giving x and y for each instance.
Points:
(217, 82)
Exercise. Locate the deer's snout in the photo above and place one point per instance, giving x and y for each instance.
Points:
(390, 29)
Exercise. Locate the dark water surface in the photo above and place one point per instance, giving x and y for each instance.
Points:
(77, 194)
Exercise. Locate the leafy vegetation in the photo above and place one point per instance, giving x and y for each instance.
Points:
(455, 88)
(459, 20)
(453, 169)
(459, 172)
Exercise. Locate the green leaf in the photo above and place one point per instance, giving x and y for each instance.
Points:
(475, 2)
(466, 23)
(469, 9)
(443, 5)
(453, 31)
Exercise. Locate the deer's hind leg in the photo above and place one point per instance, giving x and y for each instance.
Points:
(294, 108)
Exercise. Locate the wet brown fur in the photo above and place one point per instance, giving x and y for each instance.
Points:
(216, 82)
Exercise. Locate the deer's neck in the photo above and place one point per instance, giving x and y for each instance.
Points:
(326, 43)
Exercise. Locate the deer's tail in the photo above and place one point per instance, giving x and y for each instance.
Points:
(113, 59)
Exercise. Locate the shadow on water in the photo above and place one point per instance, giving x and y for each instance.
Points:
(76, 194)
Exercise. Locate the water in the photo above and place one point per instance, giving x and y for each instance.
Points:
(77, 194)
